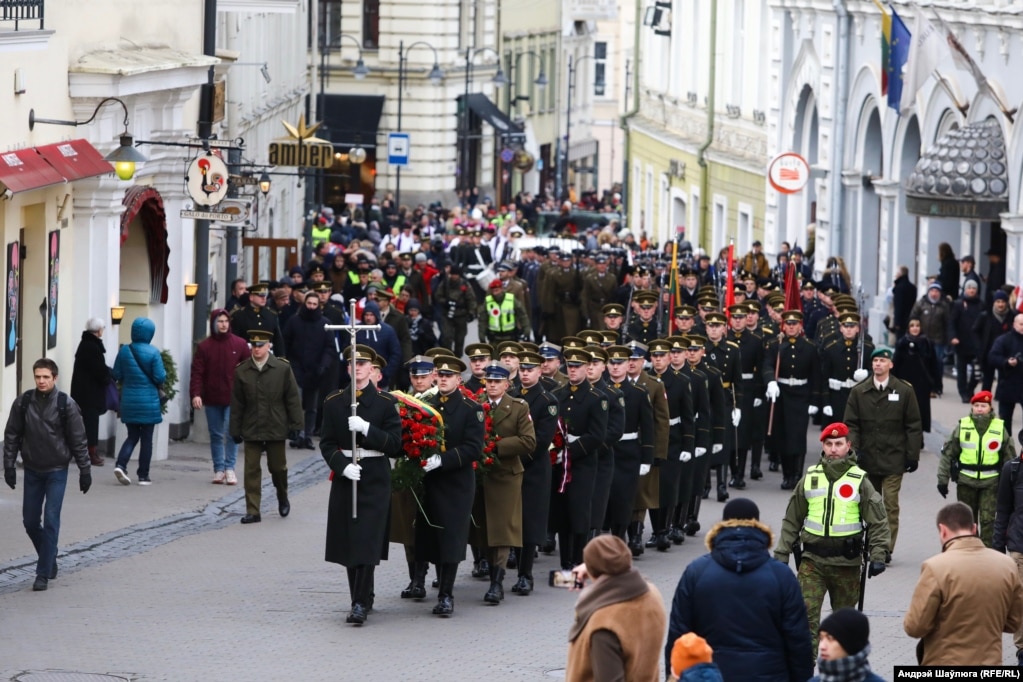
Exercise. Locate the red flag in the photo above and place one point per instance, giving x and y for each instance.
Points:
(792, 299)
(730, 281)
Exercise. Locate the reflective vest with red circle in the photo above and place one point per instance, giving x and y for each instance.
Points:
(501, 316)
(833, 507)
(979, 455)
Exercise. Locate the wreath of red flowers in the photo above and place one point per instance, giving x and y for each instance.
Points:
(422, 436)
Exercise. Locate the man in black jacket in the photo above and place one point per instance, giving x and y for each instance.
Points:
(989, 326)
(965, 312)
(903, 299)
(45, 426)
(1007, 357)
(1008, 526)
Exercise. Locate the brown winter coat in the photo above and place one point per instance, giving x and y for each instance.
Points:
(943, 611)
(502, 486)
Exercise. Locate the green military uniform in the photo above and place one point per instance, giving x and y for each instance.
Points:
(501, 317)
(983, 438)
(559, 299)
(457, 304)
(831, 556)
(598, 290)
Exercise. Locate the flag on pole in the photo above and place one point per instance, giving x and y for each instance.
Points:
(886, 41)
(962, 58)
(898, 55)
(792, 299)
(730, 280)
(925, 54)
(672, 287)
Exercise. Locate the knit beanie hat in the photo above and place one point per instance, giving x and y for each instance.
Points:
(849, 627)
(607, 554)
(690, 649)
(741, 508)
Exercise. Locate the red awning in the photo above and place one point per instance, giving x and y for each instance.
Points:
(25, 169)
(75, 159)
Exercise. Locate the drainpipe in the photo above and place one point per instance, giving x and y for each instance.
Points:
(838, 134)
(701, 155)
(624, 121)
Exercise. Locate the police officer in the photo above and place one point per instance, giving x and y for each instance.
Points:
(501, 316)
(584, 414)
(536, 480)
(595, 373)
(442, 524)
(829, 509)
(359, 543)
(644, 325)
(256, 315)
(843, 364)
(598, 290)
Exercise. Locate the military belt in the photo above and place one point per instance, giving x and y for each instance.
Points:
(823, 551)
(675, 421)
(363, 454)
(793, 382)
(747, 376)
(838, 385)
(629, 436)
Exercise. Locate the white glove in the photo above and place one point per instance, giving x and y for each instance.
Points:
(736, 416)
(559, 459)
(828, 412)
(644, 469)
(352, 471)
(773, 391)
(716, 448)
(685, 456)
(337, 298)
(432, 462)
(812, 410)
(860, 375)
(358, 425)
(700, 452)
(757, 402)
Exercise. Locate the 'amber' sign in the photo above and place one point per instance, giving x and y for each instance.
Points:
(301, 148)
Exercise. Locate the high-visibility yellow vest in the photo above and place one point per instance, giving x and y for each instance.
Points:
(320, 233)
(399, 284)
(500, 317)
(979, 455)
(834, 507)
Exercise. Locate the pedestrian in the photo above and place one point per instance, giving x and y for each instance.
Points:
(210, 387)
(974, 455)
(90, 378)
(266, 408)
(420, 328)
(383, 341)
(903, 299)
(1007, 357)
(619, 618)
(311, 354)
(1008, 530)
(748, 607)
(692, 660)
(357, 535)
(884, 426)
(966, 597)
(989, 326)
(844, 647)
(45, 427)
(933, 312)
(965, 312)
(948, 270)
(830, 508)
(914, 363)
(140, 371)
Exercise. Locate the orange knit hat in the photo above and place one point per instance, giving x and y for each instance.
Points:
(690, 649)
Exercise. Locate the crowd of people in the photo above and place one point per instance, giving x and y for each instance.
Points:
(608, 395)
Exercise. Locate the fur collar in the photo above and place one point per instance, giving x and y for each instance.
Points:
(738, 523)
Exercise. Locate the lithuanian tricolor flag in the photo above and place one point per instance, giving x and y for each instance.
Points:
(886, 41)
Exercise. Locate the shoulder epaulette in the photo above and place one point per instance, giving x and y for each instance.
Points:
(332, 396)
(731, 343)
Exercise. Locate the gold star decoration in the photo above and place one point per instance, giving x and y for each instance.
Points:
(302, 132)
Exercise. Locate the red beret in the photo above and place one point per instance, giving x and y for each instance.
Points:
(496, 284)
(982, 397)
(836, 430)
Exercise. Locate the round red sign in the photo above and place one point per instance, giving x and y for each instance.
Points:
(788, 173)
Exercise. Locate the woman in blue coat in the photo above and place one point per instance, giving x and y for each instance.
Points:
(139, 369)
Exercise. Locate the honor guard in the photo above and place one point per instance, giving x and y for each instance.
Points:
(844, 364)
(754, 375)
(480, 355)
(644, 326)
(614, 316)
(551, 375)
(598, 290)
(720, 412)
(685, 318)
(257, 316)
(584, 414)
(724, 354)
(595, 372)
(684, 518)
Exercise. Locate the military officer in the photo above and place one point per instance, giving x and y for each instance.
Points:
(256, 315)
(830, 507)
(518, 288)
(724, 354)
(684, 519)
(442, 524)
(560, 299)
(598, 290)
(685, 320)
(501, 316)
(584, 414)
(595, 373)
(507, 353)
(611, 338)
(359, 543)
(614, 315)
(634, 451)
(551, 375)
(480, 355)
(498, 515)
(754, 374)
(456, 303)
(644, 326)
(796, 391)
(843, 364)
(536, 480)
(720, 412)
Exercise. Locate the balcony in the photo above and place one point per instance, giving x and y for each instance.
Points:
(21, 15)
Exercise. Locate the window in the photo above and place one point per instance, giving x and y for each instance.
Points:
(599, 68)
(371, 24)
(719, 227)
(738, 54)
(330, 23)
(745, 225)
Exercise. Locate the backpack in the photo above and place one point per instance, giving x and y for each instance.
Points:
(61, 407)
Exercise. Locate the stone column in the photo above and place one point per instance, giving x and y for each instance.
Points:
(1012, 225)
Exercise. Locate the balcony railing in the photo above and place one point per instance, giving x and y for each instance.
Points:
(21, 11)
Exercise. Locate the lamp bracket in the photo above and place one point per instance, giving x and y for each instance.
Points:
(32, 120)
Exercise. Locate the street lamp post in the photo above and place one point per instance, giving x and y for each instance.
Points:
(436, 76)
(540, 82)
(499, 79)
(359, 71)
(572, 66)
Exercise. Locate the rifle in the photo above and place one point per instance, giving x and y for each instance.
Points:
(864, 566)
(863, 326)
(777, 367)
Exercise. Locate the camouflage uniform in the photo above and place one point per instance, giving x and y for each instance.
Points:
(980, 494)
(832, 565)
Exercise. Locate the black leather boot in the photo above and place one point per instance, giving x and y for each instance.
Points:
(635, 532)
(722, 488)
(549, 545)
(280, 481)
(525, 583)
(754, 467)
(513, 558)
(360, 595)
(417, 590)
(496, 592)
(445, 599)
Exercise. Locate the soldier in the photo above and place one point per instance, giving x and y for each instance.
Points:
(614, 315)
(797, 396)
(561, 297)
(724, 354)
(266, 407)
(685, 318)
(719, 413)
(634, 452)
(536, 480)
(598, 290)
(550, 371)
(644, 326)
(480, 355)
(974, 454)
(843, 362)
(442, 523)
(584, 413)
(331, 311)
(359, 543)
(754, 374)
(518, 288)
(257, 316)
(456, 304)
(508, 355)
(595, 372)
(829, 509)
(683, 518)
(501, 316)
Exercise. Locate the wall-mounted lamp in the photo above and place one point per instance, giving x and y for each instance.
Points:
(124, 157)
(264, 183)
(116, 314)
(191, 289)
